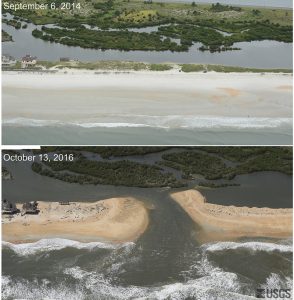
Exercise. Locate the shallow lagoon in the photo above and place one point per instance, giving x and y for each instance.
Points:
(257, 54)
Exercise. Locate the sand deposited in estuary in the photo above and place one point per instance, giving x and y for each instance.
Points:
(115, 220)
(219, 222)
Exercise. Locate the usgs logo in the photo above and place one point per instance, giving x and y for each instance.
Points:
(273, 293)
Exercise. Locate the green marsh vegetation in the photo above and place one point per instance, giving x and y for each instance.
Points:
(209, 162)
(212, 185)
(217, 27)
(13, 23)
(106, 151)
(6, 37)
(121, 40)
(122, 172)
(247, 159)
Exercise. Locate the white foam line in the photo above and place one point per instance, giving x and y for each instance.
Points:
(177, 121)
(251, 246)
(46, 245)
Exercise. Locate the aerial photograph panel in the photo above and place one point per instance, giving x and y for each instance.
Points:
(88, 223)
(142, 73)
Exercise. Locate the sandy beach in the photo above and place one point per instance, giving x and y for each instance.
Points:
(146, 108)
(218, 222)
(115, 220)
(100, 97)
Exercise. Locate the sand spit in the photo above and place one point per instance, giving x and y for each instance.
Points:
(115, 220)
(218, 222)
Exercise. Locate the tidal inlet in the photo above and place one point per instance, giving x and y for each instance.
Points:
(146, 222)
(134, 73)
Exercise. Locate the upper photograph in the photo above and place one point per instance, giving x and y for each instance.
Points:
(130, 72)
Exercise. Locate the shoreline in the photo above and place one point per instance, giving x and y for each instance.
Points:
(101, 98)
(113, 220)
(219, 222)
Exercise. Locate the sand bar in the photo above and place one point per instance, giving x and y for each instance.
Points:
(119, 97)
(115, 220)
(219, 222)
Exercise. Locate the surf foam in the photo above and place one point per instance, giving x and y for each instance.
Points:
(164, 122)
(250, 246)
(46, 245)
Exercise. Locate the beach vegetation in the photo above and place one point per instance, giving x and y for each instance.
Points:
(160, 67)
(227, 69)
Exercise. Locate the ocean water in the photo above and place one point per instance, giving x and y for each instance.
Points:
(166, 262)
(172, 268)
(278, 132)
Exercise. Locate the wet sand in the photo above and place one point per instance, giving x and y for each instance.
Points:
(115, 220)
(219, 222)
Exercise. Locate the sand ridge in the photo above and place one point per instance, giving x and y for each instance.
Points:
(219, 222)
(115, 220)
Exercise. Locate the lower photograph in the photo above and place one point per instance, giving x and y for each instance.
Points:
(85, 223)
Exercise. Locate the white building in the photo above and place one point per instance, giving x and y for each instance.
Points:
(28, 61)
(8, 60)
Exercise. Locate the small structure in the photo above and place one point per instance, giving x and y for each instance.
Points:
(63, 202)
(28, 61)
(8, 60)
(64, 59)
(30, 208)
(8, 207)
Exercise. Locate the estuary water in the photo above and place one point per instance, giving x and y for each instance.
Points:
(257, 54)
(260, 3)
(167, 262)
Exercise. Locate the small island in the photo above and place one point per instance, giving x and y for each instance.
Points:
(6, 37)
(6, 175)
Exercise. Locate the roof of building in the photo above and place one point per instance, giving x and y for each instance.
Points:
(29, 58)
(7, 56)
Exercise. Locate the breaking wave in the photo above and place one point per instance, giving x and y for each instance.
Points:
(250, 246)
(47, 245)
(205, 280)
(276, 281)
(164, 122)
(90, 286)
